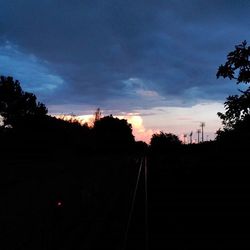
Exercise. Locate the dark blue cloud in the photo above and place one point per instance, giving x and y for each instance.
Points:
(87, 52)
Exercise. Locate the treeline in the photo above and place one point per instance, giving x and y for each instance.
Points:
(26, 124)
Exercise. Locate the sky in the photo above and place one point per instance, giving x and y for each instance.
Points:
(152, 62)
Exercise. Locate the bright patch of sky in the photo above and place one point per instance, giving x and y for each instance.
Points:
(34, 74)
(176, 120)
(184, 120)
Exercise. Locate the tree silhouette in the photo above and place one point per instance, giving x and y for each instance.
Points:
(162, 141)
(98, 114)
(110, 132)
(237, 67)
(15, 104)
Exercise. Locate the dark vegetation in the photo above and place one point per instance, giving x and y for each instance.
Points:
(64, 185)
(199, 192)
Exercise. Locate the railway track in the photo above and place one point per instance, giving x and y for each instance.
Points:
(126, 205)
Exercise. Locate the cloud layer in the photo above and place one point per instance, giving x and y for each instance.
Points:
(122, 55)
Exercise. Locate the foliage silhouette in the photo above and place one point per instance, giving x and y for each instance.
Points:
(164, 141)
(237, 67)
(16, 105)
(112, 133)
(30, 125)
(140, 148)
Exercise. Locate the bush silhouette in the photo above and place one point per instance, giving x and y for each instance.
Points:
(164, 141)
(113, 133)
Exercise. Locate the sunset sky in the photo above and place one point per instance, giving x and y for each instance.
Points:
(152, 62)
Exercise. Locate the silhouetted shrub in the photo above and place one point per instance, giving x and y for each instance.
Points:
(113, 134)
(161, 142)
(237, 137)
(140, 147)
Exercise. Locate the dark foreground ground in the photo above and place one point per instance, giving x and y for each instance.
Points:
(198, 198)
(202, 202)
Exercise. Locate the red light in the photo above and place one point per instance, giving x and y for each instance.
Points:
(59, 203)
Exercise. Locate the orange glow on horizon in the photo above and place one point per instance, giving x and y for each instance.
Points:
(177, 120)
(139, 131)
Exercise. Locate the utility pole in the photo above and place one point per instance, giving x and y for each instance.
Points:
(202, 132)
(190, 137)
(185, 137)
(198, 132)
